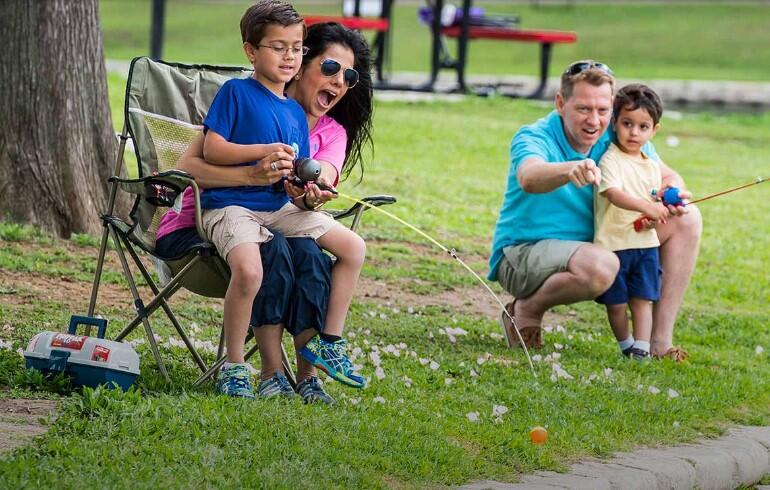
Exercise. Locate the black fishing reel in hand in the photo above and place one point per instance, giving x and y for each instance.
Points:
(308, 170)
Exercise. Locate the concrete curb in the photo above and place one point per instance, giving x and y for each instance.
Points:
(740, 458)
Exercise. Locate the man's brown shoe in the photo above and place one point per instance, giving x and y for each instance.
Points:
(532, 335)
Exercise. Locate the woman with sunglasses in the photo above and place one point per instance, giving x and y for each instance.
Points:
(334, 88)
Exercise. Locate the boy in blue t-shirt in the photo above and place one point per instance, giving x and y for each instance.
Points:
(249, 119)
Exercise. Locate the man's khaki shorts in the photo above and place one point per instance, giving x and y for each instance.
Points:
(525, 267)
(229, 227)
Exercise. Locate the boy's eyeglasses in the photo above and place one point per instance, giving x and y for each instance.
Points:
(284, 50)
(330, 67)
(581, 66)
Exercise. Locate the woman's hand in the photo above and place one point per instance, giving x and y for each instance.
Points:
(272, 168)
(294, 191)
(315, 197)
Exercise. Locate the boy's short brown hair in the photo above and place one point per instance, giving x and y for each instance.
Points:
(263, 13)
(590, 71)
(635, 96)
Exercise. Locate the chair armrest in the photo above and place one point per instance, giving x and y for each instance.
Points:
(373, 200)
(357, 209)
(162, 189)
(175, 180)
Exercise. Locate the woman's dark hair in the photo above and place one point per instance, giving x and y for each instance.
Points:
(354, 110)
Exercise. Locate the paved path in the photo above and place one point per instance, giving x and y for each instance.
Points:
(719, 94)
(740, 458)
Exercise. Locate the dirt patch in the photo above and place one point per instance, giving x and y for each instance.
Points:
(474, 301)
(25, 288)
(20, 421)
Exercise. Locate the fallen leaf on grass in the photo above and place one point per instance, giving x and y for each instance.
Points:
(672, 393)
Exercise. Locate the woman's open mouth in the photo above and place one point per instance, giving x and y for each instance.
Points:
(325, 98)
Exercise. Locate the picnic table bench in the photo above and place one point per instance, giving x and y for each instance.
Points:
(440, 56)
(465, 32)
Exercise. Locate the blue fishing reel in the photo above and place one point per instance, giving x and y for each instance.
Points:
(671, 197)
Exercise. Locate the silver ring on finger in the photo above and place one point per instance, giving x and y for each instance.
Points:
(274, 167)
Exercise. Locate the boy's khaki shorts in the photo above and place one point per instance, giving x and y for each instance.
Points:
(229, 227)
(525, 267)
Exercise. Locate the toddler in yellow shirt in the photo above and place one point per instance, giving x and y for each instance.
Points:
(628, 178)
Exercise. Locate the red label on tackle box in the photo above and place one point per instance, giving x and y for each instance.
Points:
(100, 354)
(68, 341)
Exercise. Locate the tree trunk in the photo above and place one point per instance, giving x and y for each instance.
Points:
(57, 143)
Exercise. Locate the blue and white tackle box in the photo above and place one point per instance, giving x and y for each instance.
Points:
(90, 361)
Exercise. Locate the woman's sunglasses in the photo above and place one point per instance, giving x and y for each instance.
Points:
(582, 66)
(330, 67)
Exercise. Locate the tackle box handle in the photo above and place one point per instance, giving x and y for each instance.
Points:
(99, 323)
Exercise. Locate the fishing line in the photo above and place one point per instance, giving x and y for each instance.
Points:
(454, 255)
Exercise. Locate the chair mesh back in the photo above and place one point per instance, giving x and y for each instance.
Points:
(165, 106)
(170, 138)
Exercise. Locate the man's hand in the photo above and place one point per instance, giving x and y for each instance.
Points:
(584, 172)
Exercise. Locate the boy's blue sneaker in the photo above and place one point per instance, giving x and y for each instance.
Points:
(332, 358)
(312, 391)
(278, 385)
(235, 381)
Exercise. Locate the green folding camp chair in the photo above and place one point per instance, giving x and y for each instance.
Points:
(165, 106)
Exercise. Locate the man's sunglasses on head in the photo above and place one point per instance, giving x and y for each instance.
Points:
(581, 66)
(330, 67)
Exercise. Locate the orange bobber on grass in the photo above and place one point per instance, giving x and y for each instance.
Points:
(538, 435)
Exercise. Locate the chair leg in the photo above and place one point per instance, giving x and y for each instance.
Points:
(166, 308)
(139, 305)
(287, 368)
(221, 346)
(357, 218)
(167, 291)
(98, 274)
(110, 207)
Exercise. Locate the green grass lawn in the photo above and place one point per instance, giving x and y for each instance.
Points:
(446, 162)
(647, 41)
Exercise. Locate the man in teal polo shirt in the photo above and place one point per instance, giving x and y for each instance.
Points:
(542, 251)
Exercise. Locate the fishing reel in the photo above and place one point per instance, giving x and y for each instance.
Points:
(308, 170)
(670, 197)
